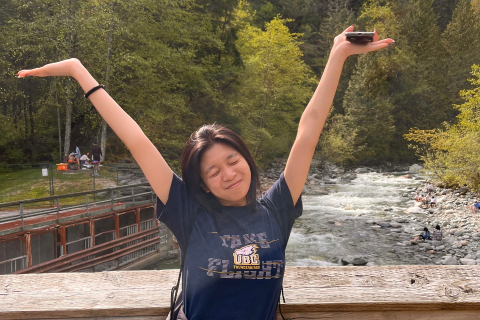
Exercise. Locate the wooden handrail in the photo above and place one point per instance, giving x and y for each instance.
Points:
(340, 293)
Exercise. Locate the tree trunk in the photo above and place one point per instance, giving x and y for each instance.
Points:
(14, 112)
(68, 120)
(59, 132)
(32, 121)
(24, 109)
(103, 142)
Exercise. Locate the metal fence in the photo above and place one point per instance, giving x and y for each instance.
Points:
(44, 179)
(110, 197)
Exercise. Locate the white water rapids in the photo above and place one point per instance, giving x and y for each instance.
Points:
(334, 226)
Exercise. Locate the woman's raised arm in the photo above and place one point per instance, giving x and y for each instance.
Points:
(151, 162)
(315, 115)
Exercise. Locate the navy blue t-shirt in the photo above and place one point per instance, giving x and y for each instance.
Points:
(235, 261)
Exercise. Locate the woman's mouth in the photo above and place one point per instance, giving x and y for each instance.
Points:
(236, 184)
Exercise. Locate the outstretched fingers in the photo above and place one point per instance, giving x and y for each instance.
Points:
(349, 29)
(24, 73)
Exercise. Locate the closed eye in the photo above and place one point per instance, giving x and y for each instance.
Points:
(234, 162)
(215, 174)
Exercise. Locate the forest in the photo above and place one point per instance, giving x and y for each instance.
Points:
(252, 66)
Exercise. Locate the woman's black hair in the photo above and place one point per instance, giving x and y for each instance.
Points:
(437, 227)
(200, 141)
(425, 229)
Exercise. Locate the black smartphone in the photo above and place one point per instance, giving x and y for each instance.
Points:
(360, 37)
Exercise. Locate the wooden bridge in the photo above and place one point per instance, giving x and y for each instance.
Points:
(117, 231)
(340, 293)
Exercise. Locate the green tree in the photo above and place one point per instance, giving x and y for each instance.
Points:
(461, 44)
(452, 153)
(273, 89)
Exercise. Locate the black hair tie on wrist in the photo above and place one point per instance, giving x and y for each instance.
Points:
(100, 86)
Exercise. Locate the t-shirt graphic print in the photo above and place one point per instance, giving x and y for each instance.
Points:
(235, 260)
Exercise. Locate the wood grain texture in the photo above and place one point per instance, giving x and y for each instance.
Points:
(322, 292)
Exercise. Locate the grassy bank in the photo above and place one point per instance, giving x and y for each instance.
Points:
(29, 183)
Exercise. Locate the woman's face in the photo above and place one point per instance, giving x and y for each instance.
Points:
(226, 174)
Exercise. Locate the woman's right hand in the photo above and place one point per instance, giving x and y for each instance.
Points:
(62, 68)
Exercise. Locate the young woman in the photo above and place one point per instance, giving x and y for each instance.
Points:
(235, 259)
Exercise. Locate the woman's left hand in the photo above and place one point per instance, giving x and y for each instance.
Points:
(346, 48)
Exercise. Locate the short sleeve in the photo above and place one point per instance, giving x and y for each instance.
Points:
(281, 199)
(178, 212)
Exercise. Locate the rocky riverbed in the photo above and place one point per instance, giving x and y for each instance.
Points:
(388, 232)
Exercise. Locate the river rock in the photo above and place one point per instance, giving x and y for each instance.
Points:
(361, 170)
(468, 262)
(414, 210)
(356, 261)
(449, 260)
(436, 243)
(415, 168)
(407, 176)
(401, 220)
(458, 233)
(464, 242)
(384, 224)
(395, 225)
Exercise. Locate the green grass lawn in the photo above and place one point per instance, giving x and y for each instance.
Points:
(29, 184)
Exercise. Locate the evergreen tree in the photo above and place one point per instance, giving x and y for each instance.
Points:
(461, 44)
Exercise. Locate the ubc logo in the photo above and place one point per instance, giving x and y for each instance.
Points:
(246, 257)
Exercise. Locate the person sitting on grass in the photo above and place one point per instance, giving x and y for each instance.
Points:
(424, 236)
(85, 159)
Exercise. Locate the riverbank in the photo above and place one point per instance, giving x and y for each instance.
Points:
(460, 226)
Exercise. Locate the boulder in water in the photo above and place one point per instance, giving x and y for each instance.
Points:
(416, 210)
(356, 261)
(395, 225)
(361, 170)
(415, 168)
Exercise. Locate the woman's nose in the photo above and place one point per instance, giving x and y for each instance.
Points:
(229, 174)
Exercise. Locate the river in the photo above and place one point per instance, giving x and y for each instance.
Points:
(335, 225)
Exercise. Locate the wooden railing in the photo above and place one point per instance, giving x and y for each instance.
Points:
(339, 293)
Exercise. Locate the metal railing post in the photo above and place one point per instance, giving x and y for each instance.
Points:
(86, 203)
(58, 210)
(21, 215)
(111, 200)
